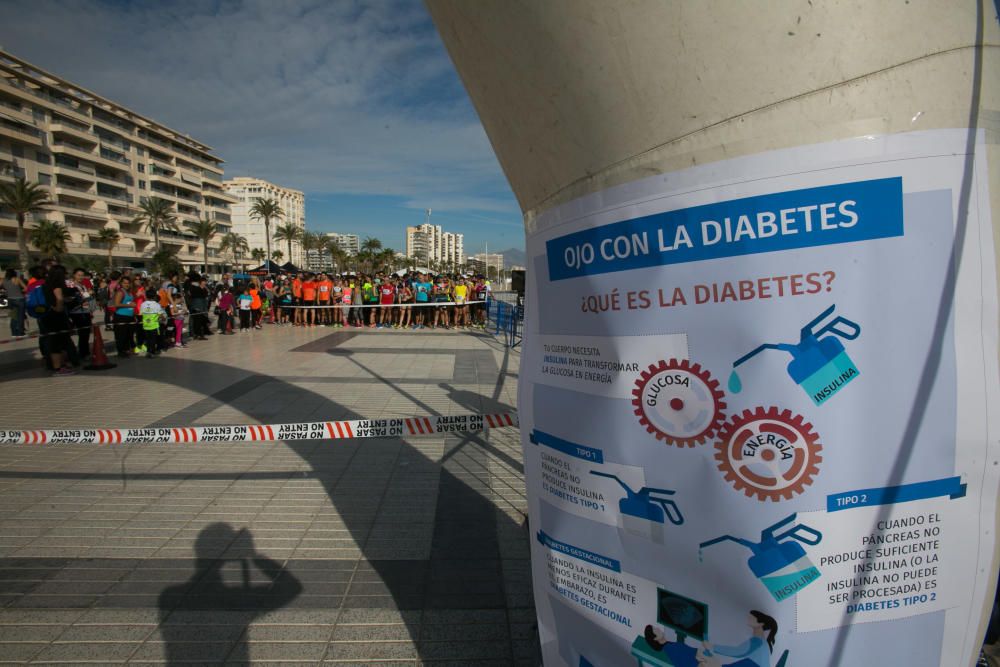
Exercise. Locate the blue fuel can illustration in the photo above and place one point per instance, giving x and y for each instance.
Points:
(820, 364)
(779, 560)
(644, 513)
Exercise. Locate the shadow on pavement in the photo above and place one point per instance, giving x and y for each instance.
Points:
(226, 578)
(475, 568)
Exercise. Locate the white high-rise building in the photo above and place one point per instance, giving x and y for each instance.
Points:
(429, 243)
(349, 243)
(248, 190)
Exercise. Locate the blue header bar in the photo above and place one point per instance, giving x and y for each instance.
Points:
(832, 214)
(566, 447)
(578, 553)
(891, 495)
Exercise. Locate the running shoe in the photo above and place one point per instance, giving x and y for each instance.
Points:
(65, 371)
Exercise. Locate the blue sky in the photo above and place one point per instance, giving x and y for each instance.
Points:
(355, 103)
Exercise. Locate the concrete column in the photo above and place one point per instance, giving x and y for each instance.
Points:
(581, 95)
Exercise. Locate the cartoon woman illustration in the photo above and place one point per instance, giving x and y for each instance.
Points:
(754, 652)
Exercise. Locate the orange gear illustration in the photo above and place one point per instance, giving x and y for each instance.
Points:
(679, 402)
(769, 454)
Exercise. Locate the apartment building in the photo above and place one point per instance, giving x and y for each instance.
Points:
(349, 243)
(247, 190)
(484, 262)
(428, 244)
(98, 160)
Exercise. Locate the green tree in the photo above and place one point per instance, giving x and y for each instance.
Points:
(371, 244)
(266, 210)
(258, 254)
(50, 238)
(290, 233)
(235, 244)
(337, 255)
(205, 230)
(111, 238)
(157, 215)
(23, 198)
(312, 241)
(277, 255)
(166, 262)
(387, 259)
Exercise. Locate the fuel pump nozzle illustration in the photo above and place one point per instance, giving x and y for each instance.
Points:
(819, 364)
(778, 560)
(645, 512)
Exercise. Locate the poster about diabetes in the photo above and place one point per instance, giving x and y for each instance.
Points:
(756, 411)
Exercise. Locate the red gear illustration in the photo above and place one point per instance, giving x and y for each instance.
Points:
(782, 444)
(684, 413)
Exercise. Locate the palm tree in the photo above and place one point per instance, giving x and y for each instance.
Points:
(337, 255)
(266, 209)
(111, 237)
(258, 254)
(23, 198)
(312, 241)
(236, 244)
(277, 255)
(50, 238)
(387, 259)
(371, 244)
(288, 232)
(157, 215)
(205, 230)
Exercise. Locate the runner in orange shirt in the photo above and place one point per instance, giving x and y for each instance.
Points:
(324, 286)
(309, 299)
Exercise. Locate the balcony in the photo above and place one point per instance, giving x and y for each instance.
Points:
(23, 134)
(72, 131)
(222, 195)
(118, 181)
(114, 156)
(74, 192)
(77, 151)
(163, 178)
(22, 91)
(193, 180)
(72, 209)
(82, 172)
(16, 112)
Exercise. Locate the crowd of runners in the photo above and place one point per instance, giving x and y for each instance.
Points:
(149, 315)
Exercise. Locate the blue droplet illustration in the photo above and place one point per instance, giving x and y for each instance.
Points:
(735, 385)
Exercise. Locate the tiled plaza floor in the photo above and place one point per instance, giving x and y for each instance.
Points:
(393, 551)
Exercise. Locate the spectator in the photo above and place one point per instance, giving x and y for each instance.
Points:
(56, 320)
(16, 290)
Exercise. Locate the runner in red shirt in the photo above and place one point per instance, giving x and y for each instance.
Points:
(387, 297)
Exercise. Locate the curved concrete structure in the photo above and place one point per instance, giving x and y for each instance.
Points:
(581, 95)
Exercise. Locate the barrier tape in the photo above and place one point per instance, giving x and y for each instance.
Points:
(339, 430)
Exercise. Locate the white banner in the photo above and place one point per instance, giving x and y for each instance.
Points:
(758, 404)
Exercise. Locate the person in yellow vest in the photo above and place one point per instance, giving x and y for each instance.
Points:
(151, 315)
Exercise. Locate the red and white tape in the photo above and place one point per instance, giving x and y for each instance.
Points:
(339, 430)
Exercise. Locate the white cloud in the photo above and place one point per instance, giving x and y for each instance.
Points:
(327, 97)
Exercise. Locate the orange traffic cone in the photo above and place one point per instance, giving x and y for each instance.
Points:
(98, 360)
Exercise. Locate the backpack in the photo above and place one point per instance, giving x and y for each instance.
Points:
(37, 305)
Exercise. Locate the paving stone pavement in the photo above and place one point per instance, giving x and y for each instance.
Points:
(376, 551)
